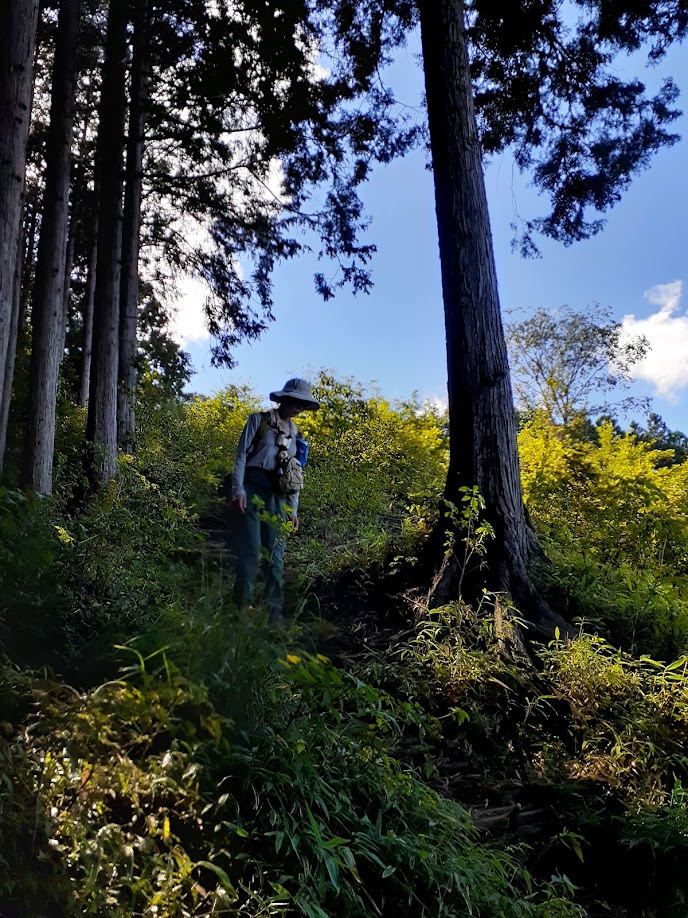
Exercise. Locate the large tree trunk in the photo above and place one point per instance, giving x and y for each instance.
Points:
(18, 20)
(48, 305)
(101, 425)
(132, 232)
(483, 449)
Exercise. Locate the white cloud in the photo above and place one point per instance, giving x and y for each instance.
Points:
(666, 364)
(188, 323)
(436, 403)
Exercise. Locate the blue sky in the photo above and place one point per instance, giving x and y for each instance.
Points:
(394, 337)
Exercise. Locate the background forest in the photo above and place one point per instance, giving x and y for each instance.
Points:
(479, 703)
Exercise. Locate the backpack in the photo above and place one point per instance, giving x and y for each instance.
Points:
(288, 475)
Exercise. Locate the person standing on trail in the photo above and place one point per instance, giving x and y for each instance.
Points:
(266, 481)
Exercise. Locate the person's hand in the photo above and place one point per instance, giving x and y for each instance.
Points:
(294, 521)
(239, 502)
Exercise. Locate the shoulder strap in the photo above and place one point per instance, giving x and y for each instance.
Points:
(260, 433)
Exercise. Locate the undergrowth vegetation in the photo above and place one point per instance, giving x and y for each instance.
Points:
(613, 518)
(156, 806)
(161, 754)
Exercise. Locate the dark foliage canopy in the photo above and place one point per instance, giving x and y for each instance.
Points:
(547, 86)
(263, 121)
(235, 92)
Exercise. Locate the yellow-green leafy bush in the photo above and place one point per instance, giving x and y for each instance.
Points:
(374, 476)
(189, 447)
(615, 524)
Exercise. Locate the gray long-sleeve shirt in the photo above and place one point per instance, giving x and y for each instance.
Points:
(261, 454)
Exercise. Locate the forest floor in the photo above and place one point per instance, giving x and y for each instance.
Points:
(478, 732)
(554, 829)
(567, 828)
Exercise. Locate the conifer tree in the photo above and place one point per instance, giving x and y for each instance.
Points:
(232, 93)
(87, 303)
(549, 91)
(129, 287)
(585, 156)
(49, 294)
(18, 20)
(101, 425)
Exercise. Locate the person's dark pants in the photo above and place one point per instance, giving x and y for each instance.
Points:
(259, 532)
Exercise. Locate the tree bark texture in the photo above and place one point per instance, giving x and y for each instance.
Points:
(132, 232)
(101, 425)
(48, 303)
(10, 359)
(483, 449)
(18, 20)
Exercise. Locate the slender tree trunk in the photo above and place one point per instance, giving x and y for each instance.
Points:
(18, 20)
(79, 195)
(87, 309)
(69, 264)
(132, 232)
(483, 449)
(48, 304)
(28, 259)
(101, 426)
(8, 380)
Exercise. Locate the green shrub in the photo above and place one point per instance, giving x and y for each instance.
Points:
(188, 448)
(31, 589)
(373, 481)
(158, 806)
(615, 525)
(104, 575)
(629, 718)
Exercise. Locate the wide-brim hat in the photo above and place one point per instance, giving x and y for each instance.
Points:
(299, 390)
